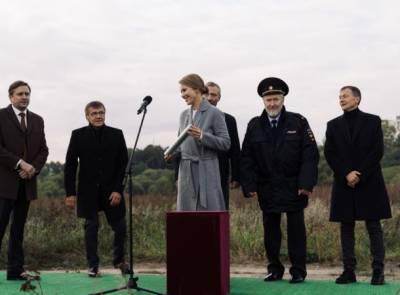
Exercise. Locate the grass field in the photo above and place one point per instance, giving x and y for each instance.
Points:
(79, 283)
(54, 236)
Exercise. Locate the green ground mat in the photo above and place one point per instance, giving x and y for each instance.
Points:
(80, 284)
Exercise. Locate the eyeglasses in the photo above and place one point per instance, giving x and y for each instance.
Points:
(99, 113)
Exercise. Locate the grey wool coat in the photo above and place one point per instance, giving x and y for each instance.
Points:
(199, 184)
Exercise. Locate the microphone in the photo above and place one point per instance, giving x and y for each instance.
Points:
(146, 101)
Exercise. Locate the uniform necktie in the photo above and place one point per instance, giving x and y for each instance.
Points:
(23, 124)
(274, 123)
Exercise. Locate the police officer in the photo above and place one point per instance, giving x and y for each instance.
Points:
(353, 149)
(279, 165)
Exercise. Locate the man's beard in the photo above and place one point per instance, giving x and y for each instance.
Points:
(274, 113)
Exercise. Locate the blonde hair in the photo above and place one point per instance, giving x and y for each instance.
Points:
(194, 81)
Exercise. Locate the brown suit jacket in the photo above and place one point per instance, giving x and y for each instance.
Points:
(12, 140)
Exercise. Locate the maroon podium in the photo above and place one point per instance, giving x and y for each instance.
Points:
(198, 253)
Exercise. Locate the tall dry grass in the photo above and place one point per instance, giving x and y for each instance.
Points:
(54, 236)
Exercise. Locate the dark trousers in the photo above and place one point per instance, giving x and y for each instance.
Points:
(91, 232)
(19, 209)
(296, 233)
(225, 191)
(377, 248)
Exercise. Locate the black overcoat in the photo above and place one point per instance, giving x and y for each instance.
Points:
(363, 152)
(229, 161)
(276, 167)
(101, 170)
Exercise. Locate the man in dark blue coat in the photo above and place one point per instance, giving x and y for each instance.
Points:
(353, 150)
(102, 155)
(279, 165)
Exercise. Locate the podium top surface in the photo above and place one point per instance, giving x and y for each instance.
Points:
(198, 213)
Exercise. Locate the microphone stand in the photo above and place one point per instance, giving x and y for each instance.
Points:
(132, 283)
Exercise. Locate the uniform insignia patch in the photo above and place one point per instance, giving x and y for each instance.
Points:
(291, 132)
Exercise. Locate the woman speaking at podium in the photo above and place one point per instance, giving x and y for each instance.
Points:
(199, 185)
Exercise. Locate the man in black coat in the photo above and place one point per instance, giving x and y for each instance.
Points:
(23, 153)
(228, 161)
(102, 155)
(279, 165)
(353, 150)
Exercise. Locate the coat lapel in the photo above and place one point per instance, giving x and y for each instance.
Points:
(104, 139)
(357, 127)
(281, 129)
(345, 129)
(29, 122)
(13, 117)
(93, 141)
(265, 125)
(199, 117)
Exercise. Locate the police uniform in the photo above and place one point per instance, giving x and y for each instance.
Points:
(276, 162)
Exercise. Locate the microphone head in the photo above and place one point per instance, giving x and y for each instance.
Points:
(148, 99)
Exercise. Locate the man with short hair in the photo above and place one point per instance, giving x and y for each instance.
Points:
(23, 153)
(353, 150)
(279, 165)
(228, 161)
(102, 155)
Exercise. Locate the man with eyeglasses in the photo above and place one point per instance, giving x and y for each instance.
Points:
(23, 153)
(354, 148)
(102, 155)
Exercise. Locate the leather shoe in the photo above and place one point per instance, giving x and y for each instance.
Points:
(296, 278)
(123, 267)
(22, 276)
(93, 272)
(273, 276)
(378, 277)
(347, 277)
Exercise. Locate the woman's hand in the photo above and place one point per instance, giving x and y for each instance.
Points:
(168, 157)
(195, 132)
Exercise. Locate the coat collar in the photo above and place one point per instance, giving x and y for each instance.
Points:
(266, 126)
(357, 127)
(13, 118)
(204, 106)
(281, 121)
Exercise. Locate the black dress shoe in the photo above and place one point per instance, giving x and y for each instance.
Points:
(297, 278)
(273, 276)
(347, 277)
(378, 277)
(94, 272)
(14, 276)
(123, 267)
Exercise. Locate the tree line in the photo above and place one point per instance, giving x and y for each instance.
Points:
(152, 175)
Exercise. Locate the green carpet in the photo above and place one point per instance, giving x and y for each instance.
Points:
(79, 283)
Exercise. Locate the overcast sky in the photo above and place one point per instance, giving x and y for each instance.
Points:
(118, 51)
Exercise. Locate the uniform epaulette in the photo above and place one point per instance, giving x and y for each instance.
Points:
(252, 122)
(297, 115)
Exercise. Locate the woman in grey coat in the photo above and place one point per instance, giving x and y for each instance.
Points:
(199, 185)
